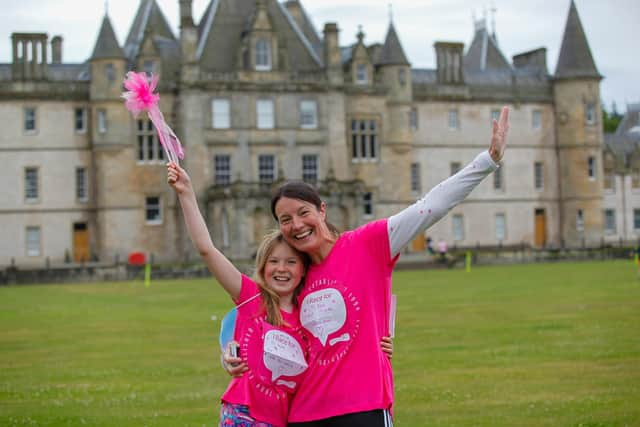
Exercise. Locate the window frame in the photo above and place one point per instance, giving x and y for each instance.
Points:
(311, 106)
(82, 196)
(148, 207)
(362, 74)
(102, 121)
(453, 119)
(536, 120)
(457, 227)
(30, 121)
(30, 187)
(222, 169)
(497, 225)
(27, 244)
(261, 115)
(610, 216)
(220, 114)
(416, 178)
(263, 52)
(592, 168)
(367, 205)
(263, 169)
(538, 175)
(148, 142)
(310, 168)
(82, 118)
(365, 141)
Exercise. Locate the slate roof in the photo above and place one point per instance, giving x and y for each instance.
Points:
(392, 52)
(107, 44)
(484, 53)
(149, 18)
(222, 28)
(575, 59)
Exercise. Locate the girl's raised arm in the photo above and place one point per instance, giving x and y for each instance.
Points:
(221, 268)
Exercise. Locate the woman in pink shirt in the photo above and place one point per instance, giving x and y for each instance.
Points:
(271, 343)
(345, 302)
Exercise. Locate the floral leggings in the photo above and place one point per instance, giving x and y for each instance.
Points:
(232, 415)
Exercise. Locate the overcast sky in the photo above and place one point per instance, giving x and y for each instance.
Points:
(611, 26)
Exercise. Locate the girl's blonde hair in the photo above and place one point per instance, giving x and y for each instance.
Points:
(270, 299)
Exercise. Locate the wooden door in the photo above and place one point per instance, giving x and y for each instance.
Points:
(418, 244)
(540, 228)
(80, 242)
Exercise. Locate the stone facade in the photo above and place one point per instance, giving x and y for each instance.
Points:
(258, 96)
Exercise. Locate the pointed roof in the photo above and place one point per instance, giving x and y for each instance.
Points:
(392, 52)
(107, 44)
(484, 53)
(149, 18)
(224, 23)
(575, 58)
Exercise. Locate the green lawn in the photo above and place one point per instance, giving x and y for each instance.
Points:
(535, 345)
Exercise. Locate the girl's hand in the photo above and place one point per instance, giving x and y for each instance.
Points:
(178, 178)
(387, 346)
(232, 364)
(499, 137)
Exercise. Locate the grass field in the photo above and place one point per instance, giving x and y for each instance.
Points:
(534, 345)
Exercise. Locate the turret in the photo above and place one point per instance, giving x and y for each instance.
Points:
(579, 136)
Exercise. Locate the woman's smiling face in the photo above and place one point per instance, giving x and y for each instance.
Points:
(302, 224)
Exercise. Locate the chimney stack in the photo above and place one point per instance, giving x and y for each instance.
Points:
(56, 50)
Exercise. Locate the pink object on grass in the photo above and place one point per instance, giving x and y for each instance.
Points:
(140, 97)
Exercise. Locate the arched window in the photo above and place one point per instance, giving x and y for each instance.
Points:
(263, 55)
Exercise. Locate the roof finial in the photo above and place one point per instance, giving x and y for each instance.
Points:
(360, 34)
(494, 9)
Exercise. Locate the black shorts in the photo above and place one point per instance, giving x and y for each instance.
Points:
(376, 418)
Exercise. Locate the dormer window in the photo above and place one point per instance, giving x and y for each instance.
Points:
(149, 67)
(361, 74)
(109, 72)
(263, 55)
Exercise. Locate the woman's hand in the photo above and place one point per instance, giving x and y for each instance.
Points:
(499, 137)
(387, 346)
(178, 178)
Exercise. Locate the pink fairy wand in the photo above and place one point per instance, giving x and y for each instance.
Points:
(139, 98)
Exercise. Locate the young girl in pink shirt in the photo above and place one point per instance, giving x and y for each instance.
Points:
(271, 343)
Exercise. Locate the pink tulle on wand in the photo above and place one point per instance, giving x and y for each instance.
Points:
(140, 97)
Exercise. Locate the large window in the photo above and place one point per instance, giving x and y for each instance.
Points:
(457, 223)
(220, 115)
(33, 244)
(610, 221)
(416, 187)
(222, 169)
(153, 210)
(149, 147)
(308, 114)
(501, 227)
(263, 55)
(30, 120)
(31, 185)
(264, 114)
(80, 120)
(364, 139)
(82, 193)
(636, 220)
(266, 168)
(310, 168)
(538, 175)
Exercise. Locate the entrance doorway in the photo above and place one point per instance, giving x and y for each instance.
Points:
(80, 242)
(540, 228)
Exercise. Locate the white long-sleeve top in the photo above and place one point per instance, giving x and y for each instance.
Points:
(404, 226)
